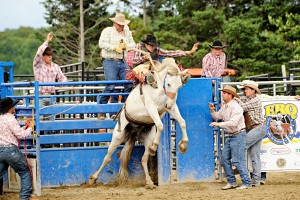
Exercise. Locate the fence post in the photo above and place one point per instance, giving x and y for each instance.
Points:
(292, 88)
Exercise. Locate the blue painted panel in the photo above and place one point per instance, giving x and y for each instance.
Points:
(198, 163)
(67, 166)
(70, 109)
(77, 124)
(74, 138)
(81, 109)
(164, 154)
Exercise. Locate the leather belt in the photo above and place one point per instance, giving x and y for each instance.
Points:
(237, 132)
(255, 125)
(114, 59)
(7, 145)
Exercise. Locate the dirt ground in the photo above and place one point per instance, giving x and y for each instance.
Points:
(280, 185)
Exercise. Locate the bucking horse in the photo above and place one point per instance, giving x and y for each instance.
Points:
(140, 118)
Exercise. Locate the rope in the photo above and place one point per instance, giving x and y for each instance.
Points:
(62, 112)
(26, 157)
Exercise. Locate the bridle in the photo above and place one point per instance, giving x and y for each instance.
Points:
(171, 95)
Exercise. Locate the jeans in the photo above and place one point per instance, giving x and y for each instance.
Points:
(234, 154)
(42, 103)
(12, 156)
(114, 70)
(253, 146)
(263, 176)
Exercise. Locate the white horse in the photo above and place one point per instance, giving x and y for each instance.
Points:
(141, 118)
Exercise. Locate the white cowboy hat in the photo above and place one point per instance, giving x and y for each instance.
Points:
(230, 90)
(120, 19)
(250, 84)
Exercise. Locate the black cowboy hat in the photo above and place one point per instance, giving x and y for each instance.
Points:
(151, 40)
(217, 44)
(6, 104)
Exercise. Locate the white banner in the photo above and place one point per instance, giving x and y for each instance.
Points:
(280, 150)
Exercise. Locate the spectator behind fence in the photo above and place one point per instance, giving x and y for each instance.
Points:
(113, 42)
(46, 71)
(10, 155)
(213, 63)
(234, 149)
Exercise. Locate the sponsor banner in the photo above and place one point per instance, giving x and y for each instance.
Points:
(280, 148)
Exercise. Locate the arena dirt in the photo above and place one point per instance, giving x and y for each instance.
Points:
(280, 185)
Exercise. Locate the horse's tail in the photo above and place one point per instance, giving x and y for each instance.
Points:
(125, 155)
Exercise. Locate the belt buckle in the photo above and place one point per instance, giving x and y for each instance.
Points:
(116, 59)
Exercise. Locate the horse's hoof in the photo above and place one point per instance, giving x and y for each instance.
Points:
(150, 186)
(182, 147)
(92, 180)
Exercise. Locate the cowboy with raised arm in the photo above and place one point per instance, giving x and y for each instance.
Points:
(154, 51)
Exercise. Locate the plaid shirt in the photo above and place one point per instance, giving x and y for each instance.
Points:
(232, 115)
(138, 57)
(129, 58)
(111, 38)
(212, 65)
(254, 107)
(10, 130)
(44, 73)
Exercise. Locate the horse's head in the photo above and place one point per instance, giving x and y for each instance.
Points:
(173, 80)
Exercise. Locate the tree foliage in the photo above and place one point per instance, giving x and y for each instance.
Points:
(260, 35)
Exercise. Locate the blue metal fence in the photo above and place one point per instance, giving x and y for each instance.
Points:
(73, 165)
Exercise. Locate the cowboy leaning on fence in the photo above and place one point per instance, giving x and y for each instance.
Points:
(10, 155)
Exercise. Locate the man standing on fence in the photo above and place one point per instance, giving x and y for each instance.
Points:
(46, 71)
(257, 129)
(114, 41)
(233, 124)
(213, 63)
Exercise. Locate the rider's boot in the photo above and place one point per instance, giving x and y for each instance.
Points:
(150, 79)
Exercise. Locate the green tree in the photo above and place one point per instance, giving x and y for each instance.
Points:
(19, 46)
(63, 16)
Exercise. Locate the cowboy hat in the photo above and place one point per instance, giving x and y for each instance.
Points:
(217, 45)
(250, 84)
(151, 40)
(230, 90)
(6, 104)
(120, 19)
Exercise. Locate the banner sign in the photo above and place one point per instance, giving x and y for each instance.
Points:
(280, 150)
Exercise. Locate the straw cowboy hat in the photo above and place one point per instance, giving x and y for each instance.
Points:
(250, 84)
(151, 40)
(120, 19)
(6, 104)
(217, 45)
(230, 90)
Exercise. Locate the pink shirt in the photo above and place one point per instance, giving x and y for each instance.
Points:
(212, 65)
(46, 74)
(11, 131)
